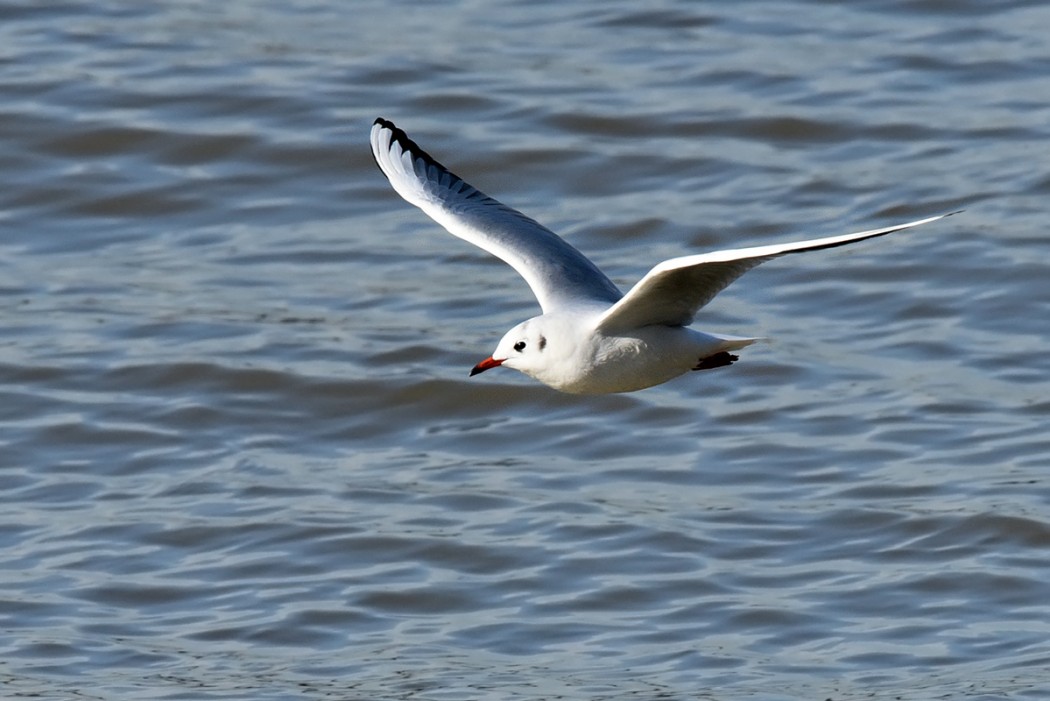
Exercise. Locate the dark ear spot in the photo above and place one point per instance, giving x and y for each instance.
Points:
(543, 342)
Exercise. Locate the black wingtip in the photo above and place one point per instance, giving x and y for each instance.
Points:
(398, 136)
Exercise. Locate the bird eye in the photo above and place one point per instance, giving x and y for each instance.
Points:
(519, 346)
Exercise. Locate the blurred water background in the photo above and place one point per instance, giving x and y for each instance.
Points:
(240, 455)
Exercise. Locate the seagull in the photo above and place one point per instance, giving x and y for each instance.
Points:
(591, 338)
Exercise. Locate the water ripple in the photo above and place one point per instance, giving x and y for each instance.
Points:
(240, 454)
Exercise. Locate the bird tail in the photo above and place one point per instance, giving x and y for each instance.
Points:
(733, 342)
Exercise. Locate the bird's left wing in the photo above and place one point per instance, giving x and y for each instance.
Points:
(558, 274)
(671, 293)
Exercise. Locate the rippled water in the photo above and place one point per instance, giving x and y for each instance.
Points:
(239, 452)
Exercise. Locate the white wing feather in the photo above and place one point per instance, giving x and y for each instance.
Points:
(557, 273)
(673, 291)
(560, 276)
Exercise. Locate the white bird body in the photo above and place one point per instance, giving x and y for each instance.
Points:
(590, 338)
(579, 359)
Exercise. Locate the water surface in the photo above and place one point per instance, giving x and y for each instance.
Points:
(239, 451)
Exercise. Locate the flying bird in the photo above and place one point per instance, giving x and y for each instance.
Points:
(591, 338)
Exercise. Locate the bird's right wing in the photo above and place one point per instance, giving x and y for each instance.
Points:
(673, 291)
(557, 273)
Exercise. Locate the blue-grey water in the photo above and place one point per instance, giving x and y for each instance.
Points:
(240, 455)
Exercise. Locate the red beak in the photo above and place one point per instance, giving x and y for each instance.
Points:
(486, 364)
